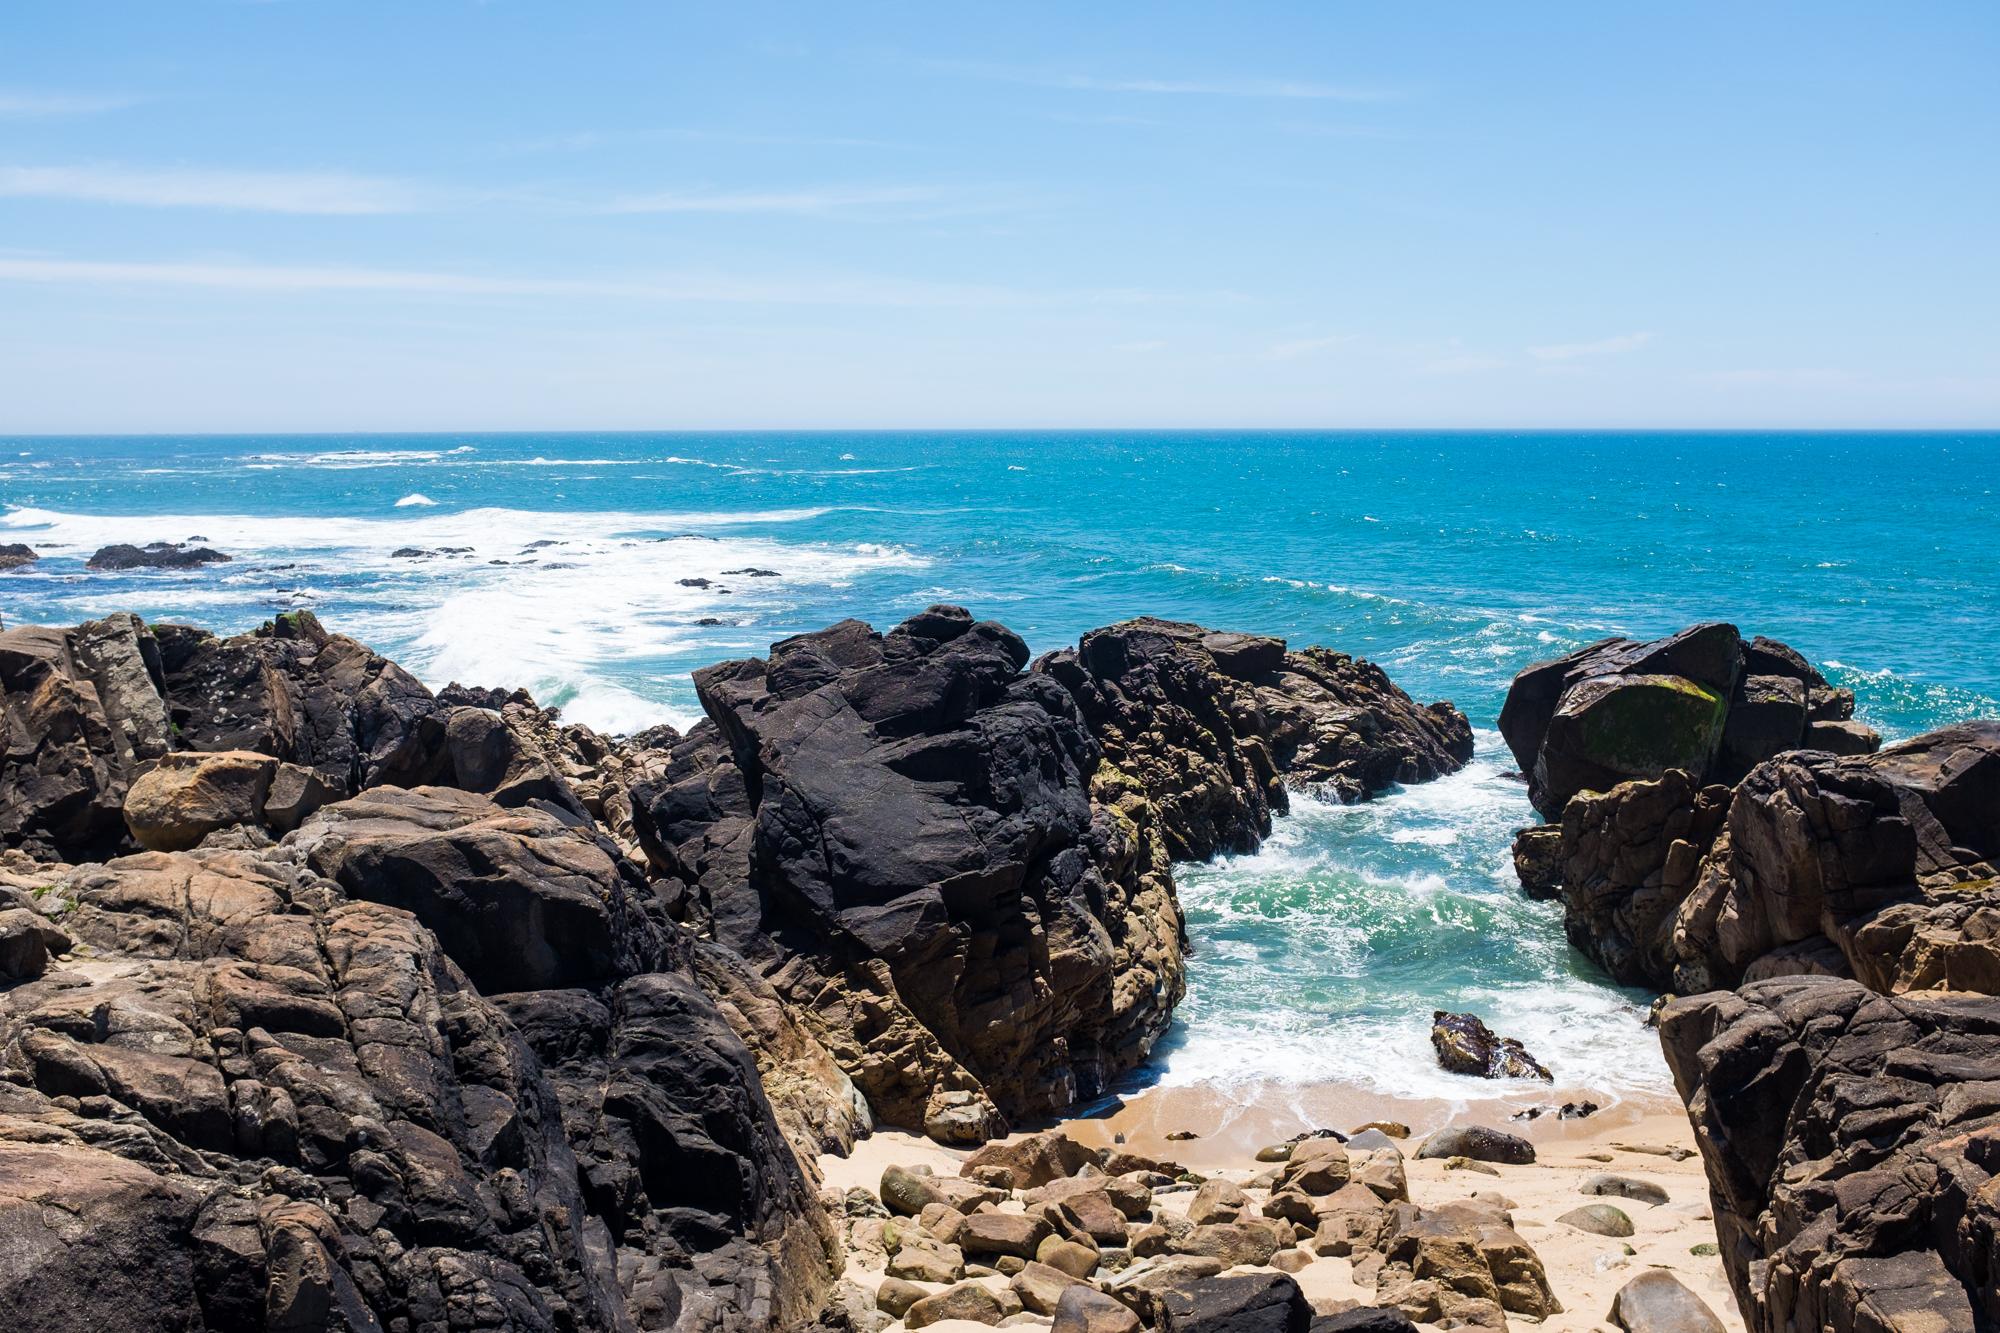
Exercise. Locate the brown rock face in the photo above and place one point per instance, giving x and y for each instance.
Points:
(1215, 727)
(1875, 866)
(258, 1094)
(185, 797)
(81, 714)
(1852, 1142)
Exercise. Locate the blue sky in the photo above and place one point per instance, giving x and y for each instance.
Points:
(436, 214)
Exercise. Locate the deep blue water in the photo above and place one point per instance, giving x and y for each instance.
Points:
(1452, 558)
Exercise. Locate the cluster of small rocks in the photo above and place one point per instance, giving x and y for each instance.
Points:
(1044, 1231)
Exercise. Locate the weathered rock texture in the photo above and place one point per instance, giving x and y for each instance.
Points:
(1214, 727)
(1702, 701)
(259, 1100)
(898, 830)
(82, 714)
(1875, 866)
(1852, 1142)
(1465, 1045)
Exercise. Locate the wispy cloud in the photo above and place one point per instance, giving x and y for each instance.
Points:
(1256, 87)
(1298, 347)
(1468, 364)
(22, 104)
(315, 192)
(1803, 376)
(347, 194)
(578, 141)
(1612, 346)
(813, 202)
(691, 288)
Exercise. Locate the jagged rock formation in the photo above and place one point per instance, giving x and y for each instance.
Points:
(155, 555)
(1875, 866)
(1702, 701)
(16, 555)
(1852, 1142)
(388, 1029)
(958, 870)
(82, 713)
(1214, 727)
(266, 1098)
(1465, 1045)
(897, 829)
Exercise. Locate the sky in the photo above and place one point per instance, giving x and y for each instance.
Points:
(351, 215)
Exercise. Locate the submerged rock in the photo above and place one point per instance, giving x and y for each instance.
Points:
(155, 555)
(1465, 1045)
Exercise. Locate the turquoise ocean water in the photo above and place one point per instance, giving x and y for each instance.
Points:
(1453, 559)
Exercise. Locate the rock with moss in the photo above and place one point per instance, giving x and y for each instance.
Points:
(1703, 701)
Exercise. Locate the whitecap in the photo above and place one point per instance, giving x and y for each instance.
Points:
(415, 499)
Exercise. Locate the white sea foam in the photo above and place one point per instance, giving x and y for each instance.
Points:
(415, 499)
(1322, 954)
(572, 606)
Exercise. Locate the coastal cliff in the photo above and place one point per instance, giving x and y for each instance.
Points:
(332, 1002)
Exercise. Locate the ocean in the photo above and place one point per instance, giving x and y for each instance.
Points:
(574, 565)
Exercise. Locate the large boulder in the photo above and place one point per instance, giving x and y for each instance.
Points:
(898, 831)
(1214, 727)
(521, 899)
(187, 796)
(1852, 1142)
(16, 555)
(1878, 866)
(1702, 701)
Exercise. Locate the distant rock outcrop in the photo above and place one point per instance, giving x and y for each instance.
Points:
(1702, 701)
(15, 555)
(155, 555)
(1852, 1142)
(1216, 727)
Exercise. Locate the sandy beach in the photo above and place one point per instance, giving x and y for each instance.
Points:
(1648, 1139)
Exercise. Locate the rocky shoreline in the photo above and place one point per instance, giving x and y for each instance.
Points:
(327, 1001)
(330, 1001)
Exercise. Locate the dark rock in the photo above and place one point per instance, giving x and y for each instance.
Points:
(1851, 1141)
(1232, 1303)
(1364, 1319)
(1215, 727)
(520, 899)
(1465, 1045)
(1479, 1143)
(1538, 860)
(898, 830)
(1700, 701)
(155, 555)
(14, 555)
(294, 691)
(1889, 856)
(1656, 1302)
(1631, 856)
(82, 716)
